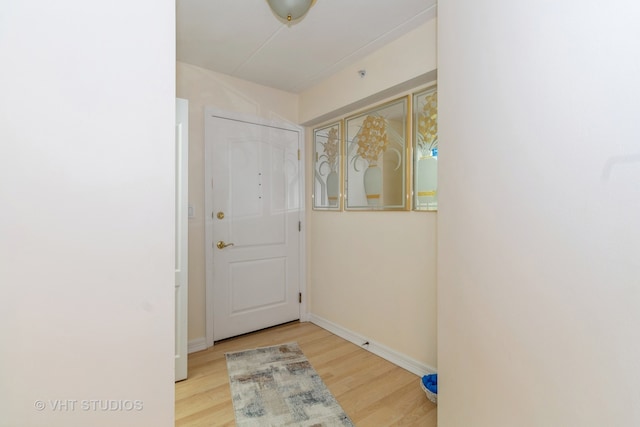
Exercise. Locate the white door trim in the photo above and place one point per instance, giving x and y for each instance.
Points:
(182, 238)
(208, 209)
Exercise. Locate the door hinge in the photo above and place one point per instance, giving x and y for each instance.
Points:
(299, 225)
(300, 297)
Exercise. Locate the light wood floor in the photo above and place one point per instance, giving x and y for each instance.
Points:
(371, 390)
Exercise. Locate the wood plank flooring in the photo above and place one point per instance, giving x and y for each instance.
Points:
(371, 390)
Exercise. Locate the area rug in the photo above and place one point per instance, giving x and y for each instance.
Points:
(276, 386)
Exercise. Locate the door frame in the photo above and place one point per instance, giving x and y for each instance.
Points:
(208, 208)
(181, 293)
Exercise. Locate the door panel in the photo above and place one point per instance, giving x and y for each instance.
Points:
(257, 284)
(255, 190)
(255, 209)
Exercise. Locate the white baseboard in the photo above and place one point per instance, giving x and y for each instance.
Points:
(378, 349)
(198, 344)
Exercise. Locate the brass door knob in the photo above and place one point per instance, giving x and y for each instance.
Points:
(222, 245)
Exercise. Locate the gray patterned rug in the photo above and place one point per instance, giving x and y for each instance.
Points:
(276, 386)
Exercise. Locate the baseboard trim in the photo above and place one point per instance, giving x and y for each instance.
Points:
(198, 344)
(378, 349)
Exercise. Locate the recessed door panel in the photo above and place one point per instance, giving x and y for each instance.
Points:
(258, 284)
(257, 195)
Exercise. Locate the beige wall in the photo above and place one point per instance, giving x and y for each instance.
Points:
(87, 221)
(403, 60)
(539, 236)
(206, 88)
(374, 273)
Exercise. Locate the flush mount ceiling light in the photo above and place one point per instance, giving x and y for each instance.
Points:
(290, 10)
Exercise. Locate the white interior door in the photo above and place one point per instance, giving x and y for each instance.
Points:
(181, 279)
(253, 237)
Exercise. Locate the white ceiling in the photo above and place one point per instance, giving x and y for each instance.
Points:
(244, 39)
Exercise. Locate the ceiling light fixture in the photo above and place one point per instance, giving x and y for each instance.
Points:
(290, 10)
